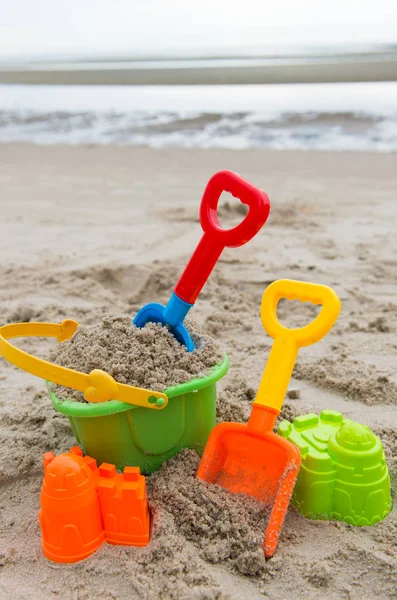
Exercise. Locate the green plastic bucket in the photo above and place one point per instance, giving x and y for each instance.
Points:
(121, 434)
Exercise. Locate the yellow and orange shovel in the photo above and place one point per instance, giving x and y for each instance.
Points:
(250, 458)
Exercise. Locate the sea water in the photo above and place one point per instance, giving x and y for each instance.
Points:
(336, 116)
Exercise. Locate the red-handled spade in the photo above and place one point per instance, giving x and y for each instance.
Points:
(209, 248)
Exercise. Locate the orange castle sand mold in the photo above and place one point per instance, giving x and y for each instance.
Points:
(82, 506)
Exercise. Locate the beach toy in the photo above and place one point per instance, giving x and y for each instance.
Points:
(83, 506)
(120, 431)
(209, 249)
(250, 458)
(124, 506)
(97, 386)
(122, 434)
(344, 474)
(70, 517)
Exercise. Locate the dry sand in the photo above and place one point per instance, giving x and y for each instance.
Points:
(86, 231)
(149, 357)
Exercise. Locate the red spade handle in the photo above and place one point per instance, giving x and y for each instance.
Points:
(215, 239)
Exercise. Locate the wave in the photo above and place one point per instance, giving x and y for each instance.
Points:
(332, 117)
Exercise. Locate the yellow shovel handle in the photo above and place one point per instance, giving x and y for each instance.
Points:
(97, 386)
(287, 341)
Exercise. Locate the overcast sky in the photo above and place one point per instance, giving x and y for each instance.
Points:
(106, 27)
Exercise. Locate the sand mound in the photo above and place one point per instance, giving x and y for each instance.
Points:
(150, 357)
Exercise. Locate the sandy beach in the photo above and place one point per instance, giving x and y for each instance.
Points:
(90, 230)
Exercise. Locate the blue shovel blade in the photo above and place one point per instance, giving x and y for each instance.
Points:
(154, 313)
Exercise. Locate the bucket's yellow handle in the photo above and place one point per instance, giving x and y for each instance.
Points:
(287, 342)
(97, 386)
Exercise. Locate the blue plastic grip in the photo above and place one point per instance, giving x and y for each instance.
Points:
(176, 310)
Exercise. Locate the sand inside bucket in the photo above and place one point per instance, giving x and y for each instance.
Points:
(150, 357)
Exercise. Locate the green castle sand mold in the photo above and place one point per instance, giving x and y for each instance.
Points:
(344, 475)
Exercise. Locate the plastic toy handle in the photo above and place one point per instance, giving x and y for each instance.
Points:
(287, 341)
(97, 386)
(215, 239)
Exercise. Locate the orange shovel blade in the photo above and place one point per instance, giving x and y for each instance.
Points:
(262, 465)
